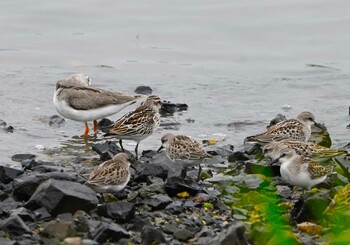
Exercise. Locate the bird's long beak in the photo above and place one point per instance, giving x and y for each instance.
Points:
(160, 148)
(318, 125)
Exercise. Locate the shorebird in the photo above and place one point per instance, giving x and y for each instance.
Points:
(184, 150)
(75, 99)
(112, 175)
(297, 129)
(138, 124)
(305, 149)
(301, 171)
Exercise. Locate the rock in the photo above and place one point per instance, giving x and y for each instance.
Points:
(146, 90)
(25, 185)
(56, 121)
(320, 135)
(109, 233)
(140, 222)
(284, 191)
(121, 212)
(150, 236)
(9, 129)
(72, 241)
(25, 214)
(233, 235)
(60, 196)
(104, 124)
(8, 204)
(175, 207)
(14, 226)
(238, 156)
(311, 207)
(22, 157)
(5, 241)
(3, 196)
(152, 169)
(2, 123)
(106, 150)
(169, 108)
(176, 185)
(158, 201)
(42, 214)
(223, 151)
(59, 229)
(170, 228)
(31, 163)
(269, 171)
(278, 118)
(8, 174)
(183, 235)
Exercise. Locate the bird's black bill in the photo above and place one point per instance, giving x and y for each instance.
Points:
(160, 148)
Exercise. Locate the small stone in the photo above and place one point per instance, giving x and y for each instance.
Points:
(146, 90)
(104, 123)
(42, 214)
(278, 118)
(183, 235)
(59, 229)
(40, 147)
(106, 150)
(233, 235)
(25, 214)
(151, 169)
(238, 156)
(14, 226)
(150, 235)
(139, 223)
(121, 212)
(9, 129)
(170, 229)
(2, 123)
(156, 202)
(56, 121)
(169, 108)
(175, 207)
(8, 174)
(177, 184)
(72, 241)
(8, 204)
(109, 232)
(63, 196)
(22, 157)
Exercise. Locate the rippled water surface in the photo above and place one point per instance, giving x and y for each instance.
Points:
(234, 63)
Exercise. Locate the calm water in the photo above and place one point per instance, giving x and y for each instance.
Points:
(230, 61)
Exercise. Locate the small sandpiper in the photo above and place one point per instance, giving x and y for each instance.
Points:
(138, 124)
(112, 175)
(305, 149)
(301, 171)
(293, 129)
(75, 99)
(184, 150)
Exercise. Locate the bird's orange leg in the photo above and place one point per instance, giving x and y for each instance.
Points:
(85, 135)
(95, 128)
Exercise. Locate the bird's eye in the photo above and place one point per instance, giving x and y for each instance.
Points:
(266, 150)
(283, 155)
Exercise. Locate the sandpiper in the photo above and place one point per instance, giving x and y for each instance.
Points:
(138, 124)
(75, 99)
(297, 129)
(112, 175)
(301, 171)
(305, 149)
(184, 150)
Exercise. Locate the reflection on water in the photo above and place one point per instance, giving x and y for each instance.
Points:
(231, 62)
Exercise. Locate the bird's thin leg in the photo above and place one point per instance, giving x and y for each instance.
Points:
(183, 172)
(136, 148)
(199, 173)
(121, 144)
(85, 135)
(95, 128)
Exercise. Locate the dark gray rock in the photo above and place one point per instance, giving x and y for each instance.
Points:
(170, 228)
(150, 235)
(22, 157)
(59, 229)
(8, 174)
(183, 235)
(146, 90)
(169, 108)
(104, 124)
(25, 185)
(233, 235)
(238, 156)
(60, 196)
(152, 169)
(156, 202)
(3, 196)
(56, 121)
(2, 123)
(121, 212)
(176, 185)
(278, 118)
(8, 204)
(25, 214)
(223, 151)
(109, 233)
(107, 150)
(175, 207)
(311, 206)
(140, 222)
(14, 226)
(9, 129)
(5, 241)
(42, 214)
